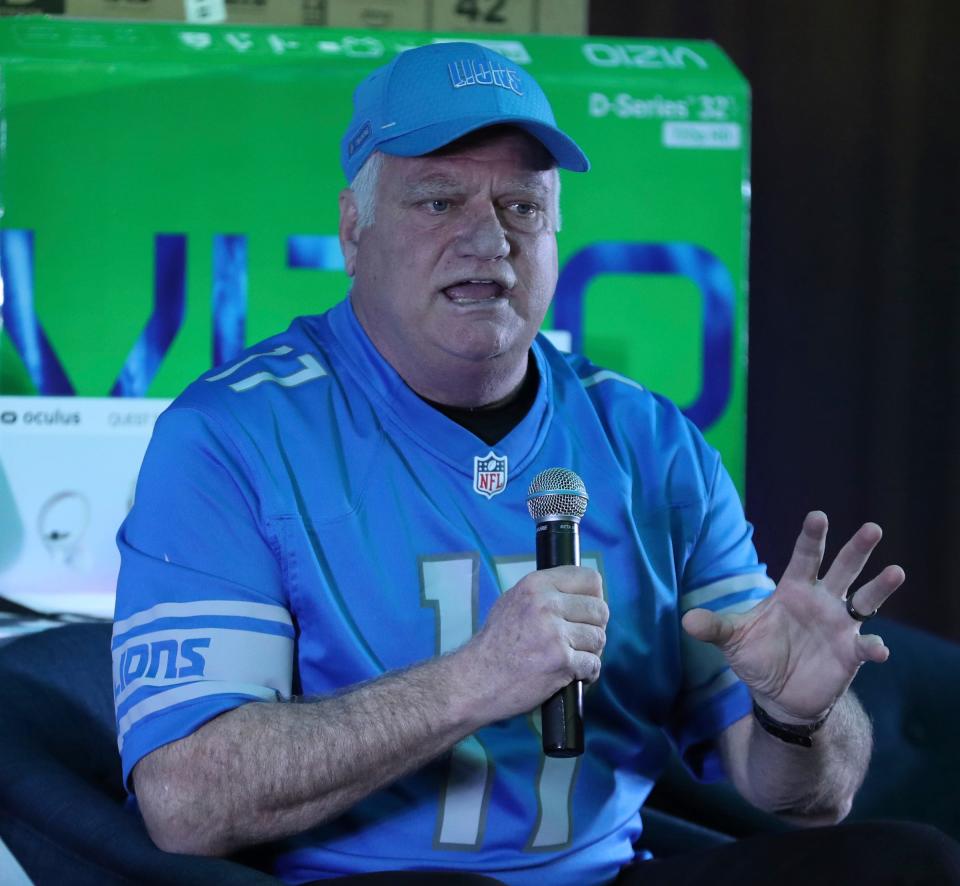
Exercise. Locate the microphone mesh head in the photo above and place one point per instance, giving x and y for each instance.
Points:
(557, 493)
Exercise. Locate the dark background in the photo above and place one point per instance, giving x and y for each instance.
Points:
(854, 380)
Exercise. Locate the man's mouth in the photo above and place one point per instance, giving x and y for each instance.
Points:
(473, 291)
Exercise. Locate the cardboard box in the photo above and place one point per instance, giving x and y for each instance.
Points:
(411, 15)
(32, 7)
(475, 16)
(511, 16)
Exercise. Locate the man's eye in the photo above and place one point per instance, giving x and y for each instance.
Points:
(525, 209)
(438, 205)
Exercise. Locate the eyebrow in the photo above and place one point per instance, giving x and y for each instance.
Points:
(436, 183)
(430, 185)
(533, 186)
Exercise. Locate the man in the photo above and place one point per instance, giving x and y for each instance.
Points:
(330, 632)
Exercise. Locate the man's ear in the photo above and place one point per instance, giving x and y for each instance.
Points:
(349, 236)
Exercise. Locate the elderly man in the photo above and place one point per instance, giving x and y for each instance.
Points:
(331, 634)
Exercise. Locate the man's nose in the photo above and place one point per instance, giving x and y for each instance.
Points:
(483, 235)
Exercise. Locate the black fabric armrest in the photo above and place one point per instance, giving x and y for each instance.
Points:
(62, 810)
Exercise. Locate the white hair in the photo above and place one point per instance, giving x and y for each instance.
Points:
(364, 187)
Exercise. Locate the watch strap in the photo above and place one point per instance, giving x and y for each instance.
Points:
(792, 733)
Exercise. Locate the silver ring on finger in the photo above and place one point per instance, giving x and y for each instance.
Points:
(856, 614)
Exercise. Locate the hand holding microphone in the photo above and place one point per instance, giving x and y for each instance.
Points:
(557, 499)
(543, 637)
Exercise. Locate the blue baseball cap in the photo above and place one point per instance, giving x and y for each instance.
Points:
(432, 95)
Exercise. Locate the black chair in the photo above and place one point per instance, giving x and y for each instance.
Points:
(63, 812)
(62, 803)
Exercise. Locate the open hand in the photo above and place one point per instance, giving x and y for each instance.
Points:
(799, 649)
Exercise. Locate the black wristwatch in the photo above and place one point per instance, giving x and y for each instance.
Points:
(792, 733)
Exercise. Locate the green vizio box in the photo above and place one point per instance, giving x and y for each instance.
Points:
(169, 194)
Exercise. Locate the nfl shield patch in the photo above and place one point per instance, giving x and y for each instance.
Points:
(489, 474)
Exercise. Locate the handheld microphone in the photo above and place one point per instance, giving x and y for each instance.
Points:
(557, 499)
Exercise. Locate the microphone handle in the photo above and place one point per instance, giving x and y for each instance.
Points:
(558, 544)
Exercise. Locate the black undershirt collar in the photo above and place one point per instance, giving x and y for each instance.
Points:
(492, 423)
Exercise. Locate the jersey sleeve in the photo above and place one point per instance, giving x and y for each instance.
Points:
(722, 573)
(201, 624)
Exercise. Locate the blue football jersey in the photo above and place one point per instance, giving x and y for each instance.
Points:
(304, 522)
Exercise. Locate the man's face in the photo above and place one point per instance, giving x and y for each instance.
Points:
(455, 274)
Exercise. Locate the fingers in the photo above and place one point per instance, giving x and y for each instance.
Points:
(583, 610)
(804, 565)
(871, 647)
(807, 557)
(587, 638)
(584, 666)
(702, 624)
(571, 580)
(876, 591)
(579, 657)
(853, 556)
(577, 594)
